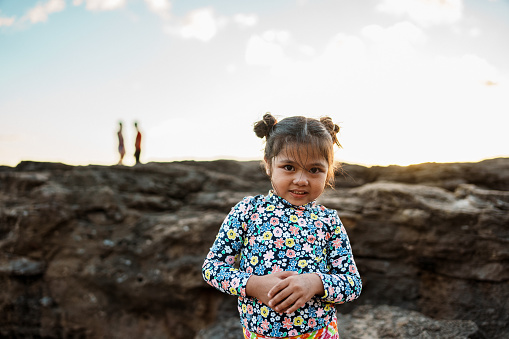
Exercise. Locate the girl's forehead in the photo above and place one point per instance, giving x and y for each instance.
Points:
(300, 154)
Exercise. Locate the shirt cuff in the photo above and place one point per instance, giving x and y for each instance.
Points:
(244, 277)
(325, 285)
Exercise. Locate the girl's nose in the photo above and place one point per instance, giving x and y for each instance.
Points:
(300, 179)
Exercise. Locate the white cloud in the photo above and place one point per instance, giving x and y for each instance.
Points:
(282, 37)
(204, 24)
(101, 5)
(246, 19)
(399, 39)
(160, 7)
(4, 21)
(307, 50)
(474, 32)
(406, 96)
(468, 71)
(403, 32)
(382, 59)
(40, 12)
(267, 49)
(231, 68)
(201, 24)
(343, 51)
(425, 12)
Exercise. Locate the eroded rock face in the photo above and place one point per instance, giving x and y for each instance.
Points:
(429, 249)
(368, 322)
(116, 251)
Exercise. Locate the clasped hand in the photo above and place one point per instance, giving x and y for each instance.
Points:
(284, 292)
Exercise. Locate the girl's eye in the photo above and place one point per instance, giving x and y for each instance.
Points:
(288, 167)
(315, 170)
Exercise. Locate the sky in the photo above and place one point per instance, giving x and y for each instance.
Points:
(408, 81)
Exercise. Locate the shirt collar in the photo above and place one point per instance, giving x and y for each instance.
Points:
(276, 200)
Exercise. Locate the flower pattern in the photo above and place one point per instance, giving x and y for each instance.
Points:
(272, 235)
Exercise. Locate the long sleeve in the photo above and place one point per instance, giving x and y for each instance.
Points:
(218, 268)
(343, 282)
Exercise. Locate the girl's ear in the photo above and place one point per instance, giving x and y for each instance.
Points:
(267, 166)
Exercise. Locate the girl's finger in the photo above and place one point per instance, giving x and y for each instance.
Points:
(298, 304)
(286, 303)
(280, 285)
(277, 288)
(281, 296)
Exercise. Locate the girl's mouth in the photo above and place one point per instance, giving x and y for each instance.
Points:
(298, 193)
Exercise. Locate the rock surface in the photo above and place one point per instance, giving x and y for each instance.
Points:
(116, 252)
(368, 322)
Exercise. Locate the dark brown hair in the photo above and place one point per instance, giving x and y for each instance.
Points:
(300, 132)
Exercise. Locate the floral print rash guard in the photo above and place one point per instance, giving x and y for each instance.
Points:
(268, 234)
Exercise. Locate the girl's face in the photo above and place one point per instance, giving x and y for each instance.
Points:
(299, 178)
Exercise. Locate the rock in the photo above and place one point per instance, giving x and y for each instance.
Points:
(98, 251)
(372, 322)
(22, 267)
(227, 329)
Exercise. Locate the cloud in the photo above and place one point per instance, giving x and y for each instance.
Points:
(425, 12)
(204, 24)
(160, 7)
(245, 19)
(267, 49)
(378, 59)
(201, 24)
(399, 39)
(342, 52)
(4, 21)
(475, 32)
(41, 12)
(101, 5)
(378, 68)
(403, 32)
(467, 71)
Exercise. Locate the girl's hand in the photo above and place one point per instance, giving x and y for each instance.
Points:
(258, 286)
(294, 291)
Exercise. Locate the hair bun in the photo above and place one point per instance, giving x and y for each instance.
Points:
(332, 128)
(263, 128)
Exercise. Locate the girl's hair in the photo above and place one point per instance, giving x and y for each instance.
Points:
(296, 133)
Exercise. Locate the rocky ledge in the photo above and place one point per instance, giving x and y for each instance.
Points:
(116, 252)
(368, 322)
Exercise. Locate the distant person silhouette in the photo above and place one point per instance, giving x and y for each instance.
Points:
(121, 147)
(137, 144)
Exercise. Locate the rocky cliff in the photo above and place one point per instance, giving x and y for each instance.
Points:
(116, 252)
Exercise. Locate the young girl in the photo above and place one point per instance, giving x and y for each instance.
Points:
(295, 256)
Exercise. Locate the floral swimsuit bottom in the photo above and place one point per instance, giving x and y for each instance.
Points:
(328, 332)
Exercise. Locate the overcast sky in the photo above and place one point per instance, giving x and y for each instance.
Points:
(409, 81)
